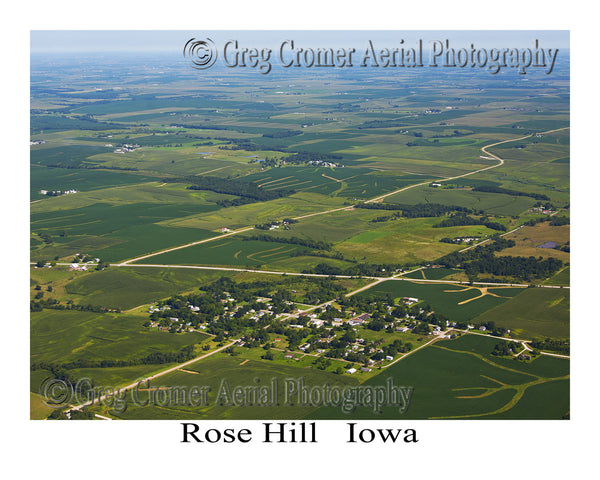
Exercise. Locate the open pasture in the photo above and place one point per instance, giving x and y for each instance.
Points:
(528, 239)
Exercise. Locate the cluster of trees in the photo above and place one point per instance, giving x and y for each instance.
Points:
(47, 123)
(506, 191)
(559, 221)
(241, 298)
(282, 134)
(305, 242)
(504, 349)
(242, 144)
(554, 221)
(386, 218)
(392, 349)
(419, 210)
(398, 122)
(526, 268)
(481, 259)
(52, 303)
(561, 346)
(235, 202)
(322, 254)
(460, 219)
(230, 187)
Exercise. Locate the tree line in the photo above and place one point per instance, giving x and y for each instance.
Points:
(461, 219)
(305, 242)
(419, 210)
(506, 191)
(230, 187)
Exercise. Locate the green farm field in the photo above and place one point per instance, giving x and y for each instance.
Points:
(63, 336)
(534, 313)
(263, 147)
(357, 183)
(492, 203)
(459, 379)
(49, 179)
(460, 303)
(212, 371)
(126, 288)
(229, 251)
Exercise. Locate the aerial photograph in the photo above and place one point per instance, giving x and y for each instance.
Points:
(299, 225)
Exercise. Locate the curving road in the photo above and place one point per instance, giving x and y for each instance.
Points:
(376, 199)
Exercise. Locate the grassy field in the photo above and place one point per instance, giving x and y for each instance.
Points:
(563, 277)
(528, 240)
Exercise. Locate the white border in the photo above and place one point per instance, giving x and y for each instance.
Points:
(457, 449)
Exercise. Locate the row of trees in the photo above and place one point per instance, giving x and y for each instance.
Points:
(305, 242)
(230, 187)
(506, 191)
(460, 219)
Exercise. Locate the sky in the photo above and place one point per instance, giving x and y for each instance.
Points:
(65, 41)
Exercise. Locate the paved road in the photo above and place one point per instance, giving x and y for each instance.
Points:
(156, 375)
(398, 277)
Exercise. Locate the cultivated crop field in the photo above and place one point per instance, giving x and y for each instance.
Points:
(459, 379)
(460, 303)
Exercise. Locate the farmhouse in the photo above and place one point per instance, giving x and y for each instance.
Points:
(410, 300)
